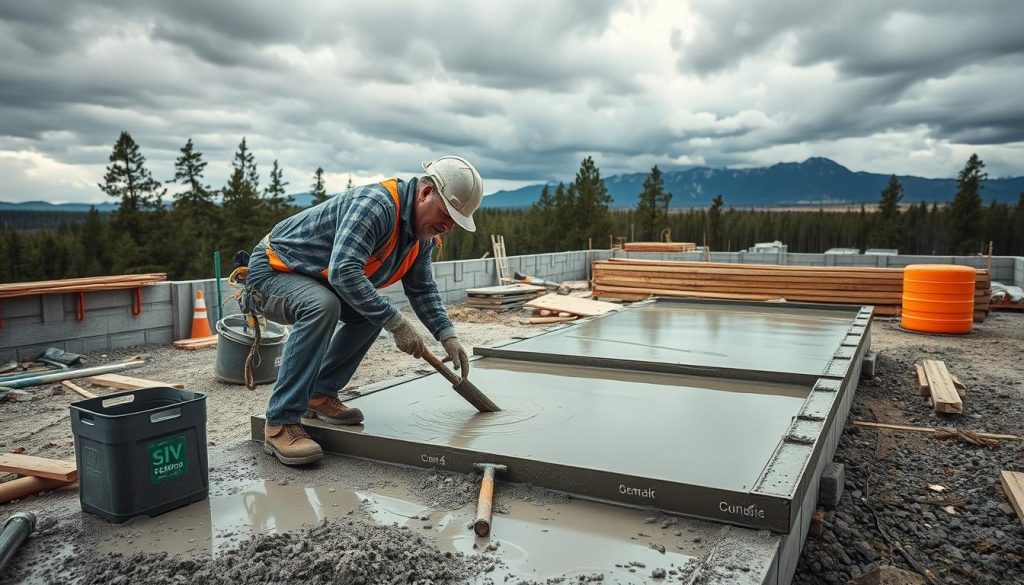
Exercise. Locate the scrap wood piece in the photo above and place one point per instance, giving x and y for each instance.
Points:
(574, 305)
(933, 430)
(543, 320)
(505, 289)
(1013, 486)
(26, 486)
(120, 382)
(58, 469)
(967, 437)
(925, 390)
(77, 389)
(198, 342)
(945, 398)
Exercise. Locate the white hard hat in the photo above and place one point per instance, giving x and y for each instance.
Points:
(460, 186)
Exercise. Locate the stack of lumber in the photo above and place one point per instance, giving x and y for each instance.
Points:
(660, 247)
(946, 390)
(633, 280)
(198, 342)
(92, 283)
(982, 295)
(504, 297)
(37, 475)
(554, 308)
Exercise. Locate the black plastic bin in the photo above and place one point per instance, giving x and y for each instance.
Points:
(140, 452)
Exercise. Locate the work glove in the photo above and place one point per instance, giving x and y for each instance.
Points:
(406, 337)
(457, 353)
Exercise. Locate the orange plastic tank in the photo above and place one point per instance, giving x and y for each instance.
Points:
(938, 298)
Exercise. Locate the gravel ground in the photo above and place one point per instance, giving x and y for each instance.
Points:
(887, 474)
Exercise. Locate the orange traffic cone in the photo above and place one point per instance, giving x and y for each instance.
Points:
(200, 324)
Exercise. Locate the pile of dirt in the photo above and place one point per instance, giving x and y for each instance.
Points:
(464, 314)
(350, 551)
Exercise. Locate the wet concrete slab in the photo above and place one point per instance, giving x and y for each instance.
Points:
(769, 337)
(641, 424)
(531, 541)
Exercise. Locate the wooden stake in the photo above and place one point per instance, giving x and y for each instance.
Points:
(77, 389)
(26, 486)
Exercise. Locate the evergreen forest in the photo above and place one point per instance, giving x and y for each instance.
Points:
(178, 234)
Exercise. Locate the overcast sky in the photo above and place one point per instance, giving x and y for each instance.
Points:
(523, 89)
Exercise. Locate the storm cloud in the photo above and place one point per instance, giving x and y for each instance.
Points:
(525, 89)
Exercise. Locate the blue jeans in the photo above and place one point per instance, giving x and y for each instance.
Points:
(317, 360)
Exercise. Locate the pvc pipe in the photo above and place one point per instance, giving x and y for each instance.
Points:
(72, 374)
(17, 528)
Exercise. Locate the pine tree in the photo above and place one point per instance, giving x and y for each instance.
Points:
(887, 231)
(128, 179)
(244, 212)
(188, 171)
(278, 202)
(652, 206)
(715, 222)
(319, 190)
(965, 211)
(542, 218)
(592, 206)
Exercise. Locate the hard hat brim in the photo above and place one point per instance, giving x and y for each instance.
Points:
(465, 222)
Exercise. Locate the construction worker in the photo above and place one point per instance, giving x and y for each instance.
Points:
(326, 264)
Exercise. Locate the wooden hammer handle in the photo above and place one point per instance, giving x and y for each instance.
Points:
(484, 507)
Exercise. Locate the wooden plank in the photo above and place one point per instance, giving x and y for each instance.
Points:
(891, 427)
(58, 469)
(1013, 486)
(182, 343)
(120, 382)
(922, 381)
(574, 305)
(26, 486)
(961, 389)
(77, 389)
(543, 320)
(945, 398)
(506, 289)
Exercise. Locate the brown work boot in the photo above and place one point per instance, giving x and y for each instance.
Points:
(291, 444)
(330, 409)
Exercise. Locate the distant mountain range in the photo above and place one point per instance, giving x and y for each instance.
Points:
(816, 181)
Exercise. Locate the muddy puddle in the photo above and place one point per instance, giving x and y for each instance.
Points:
(532, 541)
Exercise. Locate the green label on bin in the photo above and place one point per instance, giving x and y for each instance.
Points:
(167, 459)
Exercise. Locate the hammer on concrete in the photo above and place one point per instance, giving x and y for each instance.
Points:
(484, 507)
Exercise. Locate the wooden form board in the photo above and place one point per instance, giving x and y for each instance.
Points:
(92, 283)
(58, 469)
(198, 342)
(660, 247)
(924, 388)
(573, 305)
(120, 382)
(1013, 485)
(945, 398)
(506, 289)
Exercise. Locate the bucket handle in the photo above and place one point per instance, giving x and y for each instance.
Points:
(86, 419)
(126, 399)
(170, 413)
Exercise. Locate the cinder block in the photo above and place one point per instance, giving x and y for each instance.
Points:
(95, 344)
(161, 336)
(868, 366)
(458, 272)
(443, 268)
(127, 339)
(830, 488)
(53, 308)
(22, 307)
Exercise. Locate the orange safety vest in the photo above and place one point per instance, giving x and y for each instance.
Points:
(376, 260)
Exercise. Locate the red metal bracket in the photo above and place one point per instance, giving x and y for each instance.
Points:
(80, 313)
(137, 301)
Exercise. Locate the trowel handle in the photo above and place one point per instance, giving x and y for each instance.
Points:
(441, 368)
(484, 506)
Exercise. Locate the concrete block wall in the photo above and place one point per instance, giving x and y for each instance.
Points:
(32, 324)
(28, 325)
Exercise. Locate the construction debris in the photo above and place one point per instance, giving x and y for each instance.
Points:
(1013, 486)
(119, 382)
(38, 467)
(547, 320)
(573, 305)
(660, 247)
(77, 389)
(503, 297)
(940, 432)
(198, 342)
(944, 394)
